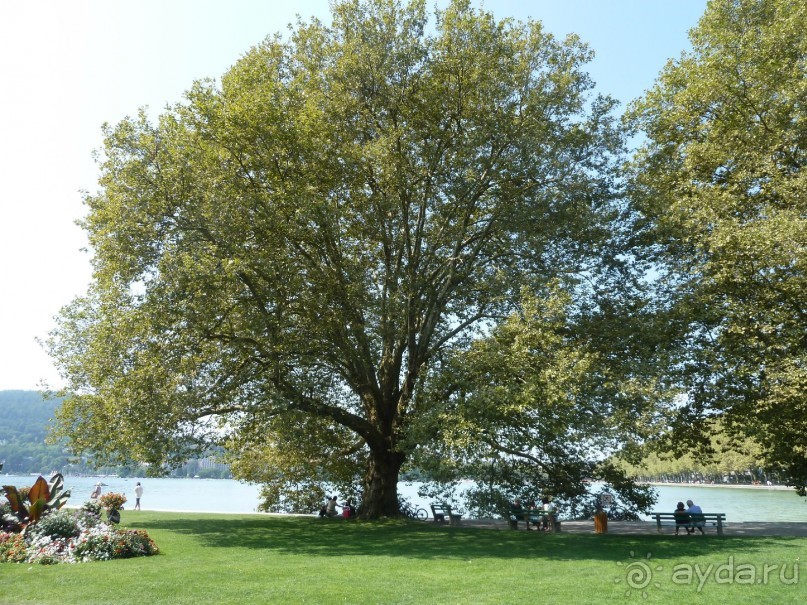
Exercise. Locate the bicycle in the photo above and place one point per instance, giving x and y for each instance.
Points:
(413, 512)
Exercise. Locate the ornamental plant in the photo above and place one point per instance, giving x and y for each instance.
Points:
(74, 537)
(133, 543)
(29, 505)
(36, 529)
(59, 524)
(12, 548)
(113, 501)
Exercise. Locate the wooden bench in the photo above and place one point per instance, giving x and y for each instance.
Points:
(441, 512)
(700, 520)
(540, 516)
(536, 517)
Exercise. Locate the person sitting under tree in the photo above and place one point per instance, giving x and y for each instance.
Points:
(695, 517)
(681, 518)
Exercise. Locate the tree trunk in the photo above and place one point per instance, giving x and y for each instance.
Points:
(381, 485)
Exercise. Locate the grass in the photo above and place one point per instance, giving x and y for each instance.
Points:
(237, 559)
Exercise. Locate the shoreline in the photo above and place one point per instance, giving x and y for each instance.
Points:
(724, 486)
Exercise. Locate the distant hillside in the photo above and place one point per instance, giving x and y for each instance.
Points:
(25, 414)
(24, 419)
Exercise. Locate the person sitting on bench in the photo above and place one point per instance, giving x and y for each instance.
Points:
(516, 513)
(681, 518)
(695, 518)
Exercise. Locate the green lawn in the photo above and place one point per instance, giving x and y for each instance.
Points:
(249, 559)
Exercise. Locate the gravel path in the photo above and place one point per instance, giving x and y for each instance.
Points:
(648, 527)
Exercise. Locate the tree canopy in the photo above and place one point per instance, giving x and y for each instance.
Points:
(284, 258)
(720, 180)
(536, 408)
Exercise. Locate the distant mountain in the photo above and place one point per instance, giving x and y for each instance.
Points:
(24, 419)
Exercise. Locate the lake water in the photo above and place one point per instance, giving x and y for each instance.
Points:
(740, 504)
(198, 495)
(230, 496)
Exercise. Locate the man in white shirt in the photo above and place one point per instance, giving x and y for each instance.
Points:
(138, 494)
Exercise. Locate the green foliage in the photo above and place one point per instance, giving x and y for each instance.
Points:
(12, 547)
(297, 247)
(74, 536)
(727, 459)
(58, 524)
(112, 501)
(721, 184)
(264, 558)
(24, 415)
(529, 411)
(24, 420)
(133, 543)
(30, 505)
(26, 447)
(284, 467)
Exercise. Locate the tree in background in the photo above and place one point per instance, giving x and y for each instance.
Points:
(280, 261)
(536, 408)
(735, 461)
(720, 180)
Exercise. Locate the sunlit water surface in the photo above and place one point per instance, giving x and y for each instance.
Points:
(230, 496)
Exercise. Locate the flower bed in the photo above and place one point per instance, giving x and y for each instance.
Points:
(74, 536)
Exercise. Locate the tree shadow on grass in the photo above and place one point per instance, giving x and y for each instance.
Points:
(417, 540)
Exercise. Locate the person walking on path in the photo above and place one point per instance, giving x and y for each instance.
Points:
(138, 494)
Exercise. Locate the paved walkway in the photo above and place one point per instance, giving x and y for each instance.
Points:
(649, 527)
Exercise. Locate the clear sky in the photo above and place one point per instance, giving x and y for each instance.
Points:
(68, 66)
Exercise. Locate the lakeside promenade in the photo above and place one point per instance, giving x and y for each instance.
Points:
(748, 528)
(759, 486)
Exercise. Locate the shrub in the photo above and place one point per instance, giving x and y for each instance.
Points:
(58, 524)
(48, 551)
(92, 507)
(96, 544)
(8, 520)
(74, 537)
(13, 548)
(134, 543)
(113, 501)
(30, 504)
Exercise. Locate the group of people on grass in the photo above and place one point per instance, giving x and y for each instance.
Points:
(330, 508)
(690, 518)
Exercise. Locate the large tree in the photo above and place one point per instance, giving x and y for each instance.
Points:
(280, 260)
(537, 408)
(721, 182)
